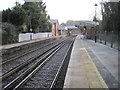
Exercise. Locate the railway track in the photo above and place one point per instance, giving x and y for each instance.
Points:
(18, 76)
(24, 52)
(9, 68)
(6, 67)
(20, 52)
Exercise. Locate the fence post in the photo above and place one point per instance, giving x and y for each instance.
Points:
(112, 39)
(100, 37)
(118, 43)
(95, 36)
(105, 36)
(30, 36)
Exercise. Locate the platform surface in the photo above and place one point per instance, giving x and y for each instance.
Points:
(21, 43)
(82, 72)
(27, 42)
(105, 59)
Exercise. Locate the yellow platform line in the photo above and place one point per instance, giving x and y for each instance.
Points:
(27, 41)
(24, 42)
(94, 78)
(82, 72)
(9, 45)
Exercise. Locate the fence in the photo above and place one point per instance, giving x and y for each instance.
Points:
(28, 36)
(108, 38)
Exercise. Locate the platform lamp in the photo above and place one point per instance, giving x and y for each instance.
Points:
(66, 28)
(95, 19)
(95, 9)
(30, 34)
(30, 28)
(55, 28)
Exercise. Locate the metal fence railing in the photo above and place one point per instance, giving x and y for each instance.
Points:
(108, 38)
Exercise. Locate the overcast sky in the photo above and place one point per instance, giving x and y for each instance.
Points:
(4, 4)
(64, 10)
(71, 9)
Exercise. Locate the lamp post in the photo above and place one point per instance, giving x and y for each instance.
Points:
(31, 25)
(95, 19)
(30, 34)
(66, 28)
(55, 28)
(95, 9)
(30, 28)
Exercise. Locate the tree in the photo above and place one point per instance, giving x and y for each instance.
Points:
(0, 16)
(9, 33)
(110, 16)
(6, 15)
(18, 16)
(23, 17)
(38, 17)
(118, 24)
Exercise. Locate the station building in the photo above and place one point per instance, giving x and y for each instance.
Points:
(55, 25)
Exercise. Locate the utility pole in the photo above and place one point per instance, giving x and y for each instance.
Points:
(55, 28)
(95, 19)
(30, 28)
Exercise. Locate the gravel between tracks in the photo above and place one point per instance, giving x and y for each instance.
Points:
(26, 67)
(12, 64)
(44, 77)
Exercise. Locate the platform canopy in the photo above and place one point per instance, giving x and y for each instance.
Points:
(66, 27)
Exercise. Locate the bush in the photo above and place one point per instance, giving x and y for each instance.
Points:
(0, 33)
(9, 33)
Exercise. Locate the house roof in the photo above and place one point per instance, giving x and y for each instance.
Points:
(54, 20)
(83, 22)
(61, 27)
(71, 27)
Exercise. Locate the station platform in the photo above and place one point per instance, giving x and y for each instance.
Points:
(27, 42)
(82, 72)
(21, 43)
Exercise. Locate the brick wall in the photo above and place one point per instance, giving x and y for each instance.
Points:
(55, 27)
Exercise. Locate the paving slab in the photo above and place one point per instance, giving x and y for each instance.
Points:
(105, 59)
(82, 72)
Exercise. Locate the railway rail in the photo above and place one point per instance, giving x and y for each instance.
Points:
(9, 69)
(27, 57)
(27, 49)
(18, 76)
